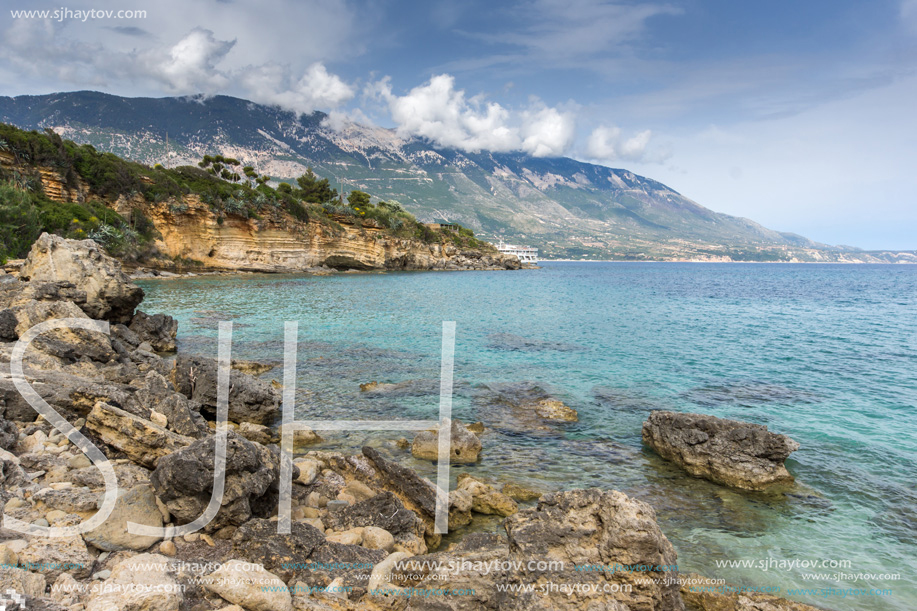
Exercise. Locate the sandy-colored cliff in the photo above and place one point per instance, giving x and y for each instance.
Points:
(194, 235)
(278, 243)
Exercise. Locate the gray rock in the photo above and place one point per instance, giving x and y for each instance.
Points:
(250, 399)
(727, 452)
(183, 416)
(383, 511)
(9, 434)
(68, 345)
(184, 480)
(159, 330)
(258, 541)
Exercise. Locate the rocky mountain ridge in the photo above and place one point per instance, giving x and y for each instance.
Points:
(567, 208)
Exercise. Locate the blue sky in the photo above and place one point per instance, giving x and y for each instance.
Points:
(799, 115)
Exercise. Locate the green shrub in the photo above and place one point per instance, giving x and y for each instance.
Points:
(20, 222)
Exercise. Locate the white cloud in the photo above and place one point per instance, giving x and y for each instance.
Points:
(547, 131)
(317, 89)
(190, 65)
(443, 114)
(607, 144)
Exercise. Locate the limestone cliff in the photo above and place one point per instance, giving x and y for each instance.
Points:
(277, 242)
(193, 234)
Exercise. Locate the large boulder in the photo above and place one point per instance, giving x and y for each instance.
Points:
(136, 505)
(159, 330)
(183, 480)
(110, 294)
(727, 452)
(142, 441)
(250, 399)
(464, 445)
(65, 344)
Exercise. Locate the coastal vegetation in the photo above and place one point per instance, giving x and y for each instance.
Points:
(27, 210)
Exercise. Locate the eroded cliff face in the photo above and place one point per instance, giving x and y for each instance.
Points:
(193, 234)
(279, 243)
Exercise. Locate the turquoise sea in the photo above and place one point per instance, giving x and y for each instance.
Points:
(826, 354)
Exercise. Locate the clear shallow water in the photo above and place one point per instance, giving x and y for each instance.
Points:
(825, 354)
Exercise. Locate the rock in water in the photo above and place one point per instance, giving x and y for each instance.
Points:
(484, 498)
(727, 452)
(465, 445)
(110, 294)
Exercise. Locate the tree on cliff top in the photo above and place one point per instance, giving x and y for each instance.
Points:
(315, 190)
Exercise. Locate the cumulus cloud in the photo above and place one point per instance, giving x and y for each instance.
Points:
(608, 144)
(443, 114)
(190, 66)
(317, 89)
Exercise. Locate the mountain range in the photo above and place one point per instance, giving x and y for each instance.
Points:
(567, 208)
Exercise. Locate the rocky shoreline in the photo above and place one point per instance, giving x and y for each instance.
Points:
(362, 532)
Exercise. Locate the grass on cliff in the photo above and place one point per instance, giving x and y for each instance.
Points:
(25, 210)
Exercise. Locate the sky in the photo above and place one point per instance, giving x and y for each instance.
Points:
(801, 115)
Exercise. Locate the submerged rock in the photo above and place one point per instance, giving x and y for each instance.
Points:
(703, 594)
(110, 294)
(524, 407)
(727, 452)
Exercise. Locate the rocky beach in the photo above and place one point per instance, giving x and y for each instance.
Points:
(362, 534)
